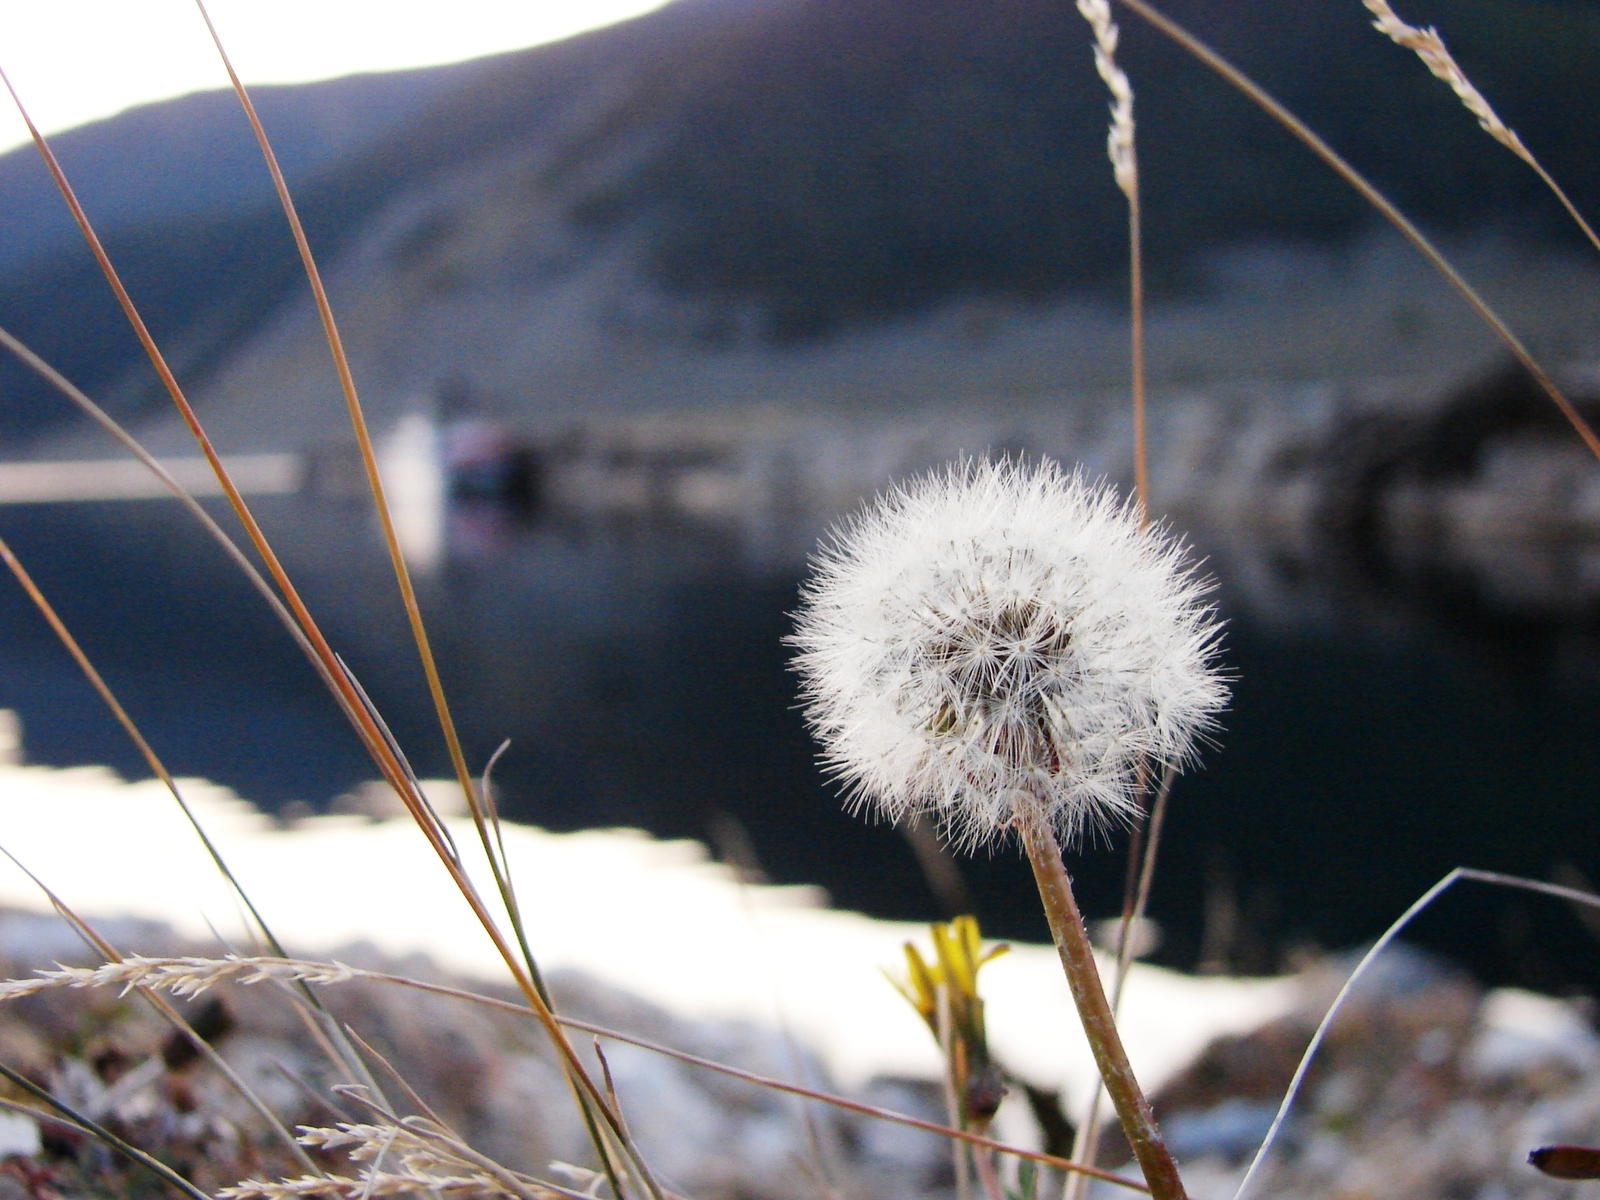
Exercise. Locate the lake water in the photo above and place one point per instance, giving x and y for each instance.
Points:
(640, 675)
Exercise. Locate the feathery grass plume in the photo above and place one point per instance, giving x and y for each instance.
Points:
(1430, 48)
(1125, 170)
(1119, 141)
(1003, 647)
(186, 977)
(382, 1183)
(996, 639)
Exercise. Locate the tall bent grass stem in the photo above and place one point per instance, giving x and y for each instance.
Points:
(1265, 101)
(358, 421)
(1494, 879)
(1427, 45)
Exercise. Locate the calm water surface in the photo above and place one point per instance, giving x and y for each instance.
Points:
(642, 680)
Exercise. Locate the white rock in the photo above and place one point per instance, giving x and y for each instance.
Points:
(1521, 1031)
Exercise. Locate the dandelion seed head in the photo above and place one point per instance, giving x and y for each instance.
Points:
(996, 637)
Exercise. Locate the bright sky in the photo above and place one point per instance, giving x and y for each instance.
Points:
(78, 60)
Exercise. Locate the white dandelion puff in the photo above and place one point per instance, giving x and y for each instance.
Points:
(995, 640)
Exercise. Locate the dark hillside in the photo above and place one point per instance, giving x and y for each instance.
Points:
(194, 156)
(805, 165)
(859, 158)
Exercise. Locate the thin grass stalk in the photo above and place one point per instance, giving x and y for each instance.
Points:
(97, 414)
(157, 767)
(152, 760)
(76, 395)
(1094, 1011)
(1264, 100)
(1141, 451)
(180, 400)
(1122, 149)
(1147, 872)
(508, 887)
(312, 1094)
(358, 423)
(1494, 879)
(409, 599)
(349, 702)
(1427, 45)
(375, 484)
(409, 1092)
(42, 603)
(104, 1135)
(47, 1118)
(500, 864)
(371, 736)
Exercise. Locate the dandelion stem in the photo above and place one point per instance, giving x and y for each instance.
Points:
(1099, 1025)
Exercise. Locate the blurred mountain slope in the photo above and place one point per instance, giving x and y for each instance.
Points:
(721, 173)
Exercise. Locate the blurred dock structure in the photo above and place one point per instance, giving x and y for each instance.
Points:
(1483, 483)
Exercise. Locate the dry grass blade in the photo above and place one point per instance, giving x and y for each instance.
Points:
(358, 421)
(76, 395)
(406, 1089)
(1378, 200)
(1427, 45)
(1494, 879)
(157, 767)
(1121, 146)
(527, 974)
(169, 381)
(350, 701)
(1147, 872)
(343, 1056)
